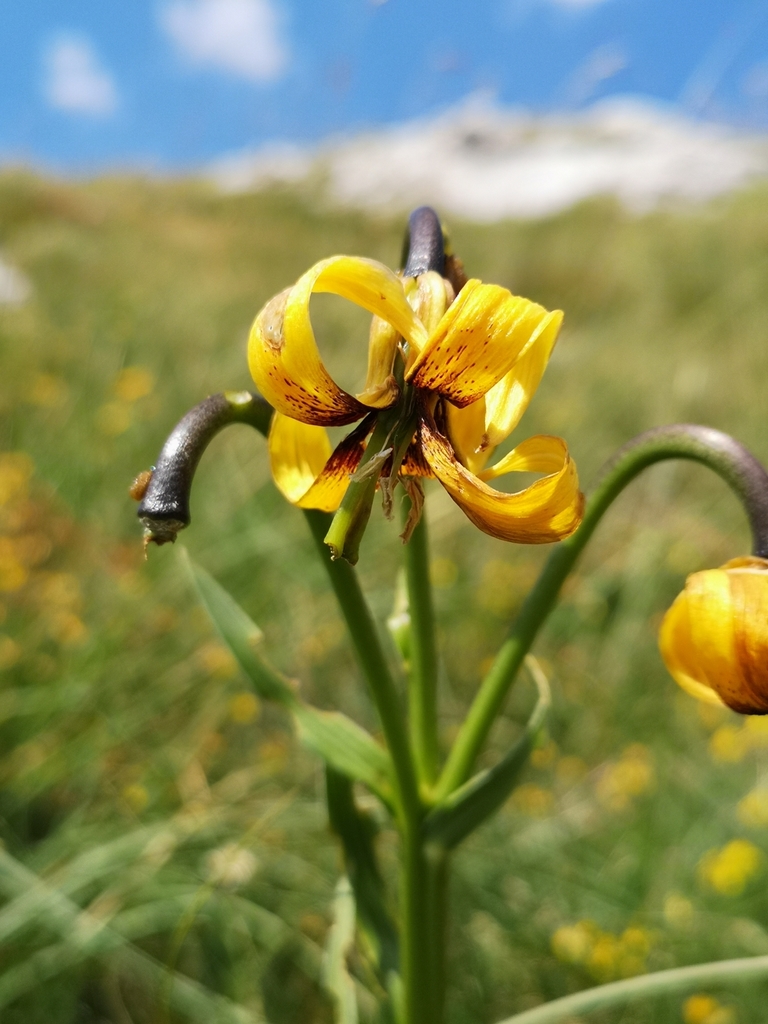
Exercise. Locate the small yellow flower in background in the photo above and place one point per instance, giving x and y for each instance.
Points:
(59, 599)
(16, 469)
(13, 573)
(217, 660)
(678, 910)
(730, 870)
(631, 776)
(66, 628)
(730, 744)
(757, 730)
(573, 942)
(244, 708)
(465, 368)
(637, 940)
(714, 638)
(752, 810)
(604, 955)
(603, 959)
(136, 796)
(544, 757)
(533, 800)
(10, 652)
(133, 383)
(702, 1009)
(47, 391)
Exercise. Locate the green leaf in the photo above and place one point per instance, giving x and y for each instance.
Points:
(341, 938)
(345, 746)
(241, 634)
(357, 831)
(469, 806)
(334, 737)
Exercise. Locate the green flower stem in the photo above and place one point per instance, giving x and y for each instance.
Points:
(416, 954)
(740, 470)
(437, 918)
(660, 983)
(463, 810)
(423, 884)
(370, 654)
(422, 690)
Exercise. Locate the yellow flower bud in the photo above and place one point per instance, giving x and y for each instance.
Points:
(714, 638)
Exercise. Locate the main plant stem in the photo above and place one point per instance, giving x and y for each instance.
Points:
(726, 457)
(422, 884)
(370, 655)
(423, 900)
(422, 683)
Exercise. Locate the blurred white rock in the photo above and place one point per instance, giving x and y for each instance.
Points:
(245, 172)
(484, 162)
(15, 288)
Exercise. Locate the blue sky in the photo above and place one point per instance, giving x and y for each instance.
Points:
(172, 84)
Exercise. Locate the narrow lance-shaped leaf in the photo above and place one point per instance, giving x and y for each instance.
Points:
(346, 746)
(357, 832)
(469, 806)
(333, 736)
(341, 937)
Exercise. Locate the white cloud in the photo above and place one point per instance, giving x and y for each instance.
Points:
(75, 80)
(239, 36)
(601, 65)
(518, 11)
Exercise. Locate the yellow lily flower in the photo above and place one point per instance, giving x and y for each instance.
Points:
(461, 370)
(714, 638)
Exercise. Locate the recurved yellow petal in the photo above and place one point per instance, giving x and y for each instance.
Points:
(548, 510)
(506, 401)
(430, 298)
(543, 453)
(305, 469)
(476, 342)
(381, 388)
(282, 351)
(466, 430)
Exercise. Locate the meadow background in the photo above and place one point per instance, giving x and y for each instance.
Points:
(165, 851)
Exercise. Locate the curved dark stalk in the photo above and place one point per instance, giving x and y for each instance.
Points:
(744, 474)
(424, 243)
(730, 460)
(164, 507)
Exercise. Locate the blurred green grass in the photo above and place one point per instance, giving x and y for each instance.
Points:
(171, 823)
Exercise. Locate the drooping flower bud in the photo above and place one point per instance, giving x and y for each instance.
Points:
(714, 638)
